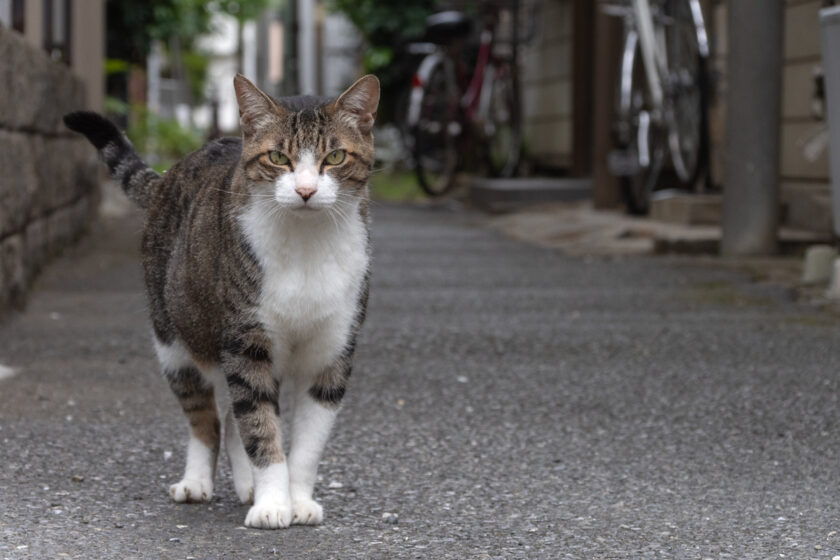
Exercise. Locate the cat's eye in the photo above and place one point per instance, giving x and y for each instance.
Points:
(335, 157)
(277, 158)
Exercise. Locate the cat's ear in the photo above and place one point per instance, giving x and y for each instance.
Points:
(357, 106)
(255, 107)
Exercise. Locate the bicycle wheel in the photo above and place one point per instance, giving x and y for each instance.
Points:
(502, 127)
(436, 132)
(686, 113)
(641, 139)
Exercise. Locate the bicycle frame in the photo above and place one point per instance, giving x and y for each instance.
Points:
(650, 38)
(475, 99)
(650, 123)
(472, 99)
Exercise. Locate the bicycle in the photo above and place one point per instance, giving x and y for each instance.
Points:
(451, 110)
(662, 97)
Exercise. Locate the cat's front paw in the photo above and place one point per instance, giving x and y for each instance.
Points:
(191, 490)
(269, 515)
(307, 512)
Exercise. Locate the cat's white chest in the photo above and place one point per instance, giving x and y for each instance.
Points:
(313, 270)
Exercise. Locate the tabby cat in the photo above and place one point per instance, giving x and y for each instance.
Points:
(255, 255)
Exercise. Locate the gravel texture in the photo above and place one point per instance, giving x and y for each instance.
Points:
(507, 402)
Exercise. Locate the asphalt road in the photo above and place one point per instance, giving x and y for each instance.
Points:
(507, 402)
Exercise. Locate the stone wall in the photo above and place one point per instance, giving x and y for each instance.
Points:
(48, 175)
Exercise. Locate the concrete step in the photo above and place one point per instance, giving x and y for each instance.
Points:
(578, 229)
(808, 208)
(502, 195)
(698, 240)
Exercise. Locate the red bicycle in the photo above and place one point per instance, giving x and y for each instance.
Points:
(453, 112)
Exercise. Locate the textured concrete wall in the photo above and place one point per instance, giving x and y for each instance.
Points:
(48, 176)
(546, 74)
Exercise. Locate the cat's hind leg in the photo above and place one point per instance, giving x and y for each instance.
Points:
(240, 464)
(195, 395)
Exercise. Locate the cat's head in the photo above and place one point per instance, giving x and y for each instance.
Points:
(308, 153)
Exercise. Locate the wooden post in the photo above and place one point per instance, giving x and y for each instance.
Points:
(583, 20)
(607, 56)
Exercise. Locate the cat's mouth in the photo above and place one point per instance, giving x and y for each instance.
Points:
(308, 208)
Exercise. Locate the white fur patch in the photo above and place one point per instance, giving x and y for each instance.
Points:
(197, 484)
(313, 268)
(174, 356)
(272, 507)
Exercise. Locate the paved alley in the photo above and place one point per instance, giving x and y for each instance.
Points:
(507, 402)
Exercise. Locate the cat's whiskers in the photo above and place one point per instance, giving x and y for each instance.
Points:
(252, 194)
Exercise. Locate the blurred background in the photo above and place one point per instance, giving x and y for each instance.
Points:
(508, 401)
(500, 105)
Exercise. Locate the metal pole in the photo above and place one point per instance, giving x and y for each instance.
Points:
(306, 46)
(751, 164)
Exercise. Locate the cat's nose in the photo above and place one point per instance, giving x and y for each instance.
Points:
(305, 192)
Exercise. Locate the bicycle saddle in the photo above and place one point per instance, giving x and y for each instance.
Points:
(444, 27)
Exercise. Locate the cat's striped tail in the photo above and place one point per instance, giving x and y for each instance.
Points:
(125, 165)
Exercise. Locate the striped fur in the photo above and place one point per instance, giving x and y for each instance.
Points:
(246, 277)
(137, 178)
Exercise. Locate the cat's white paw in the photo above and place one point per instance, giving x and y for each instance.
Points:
(269, 515)
(307, 512)
(191, 490)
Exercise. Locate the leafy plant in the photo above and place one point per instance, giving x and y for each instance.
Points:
(161, 141)
(384, 25)
(195, 66)
(385, 28)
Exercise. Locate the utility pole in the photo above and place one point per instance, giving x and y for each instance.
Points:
(306, 46)
(751, 164)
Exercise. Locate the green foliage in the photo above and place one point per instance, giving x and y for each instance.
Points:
(115, 106)
(385, 27)
(379, 21)
(162, 141)
(195, 66)
(115, 66)
(395, 186)
(132, 25)
(242, 10)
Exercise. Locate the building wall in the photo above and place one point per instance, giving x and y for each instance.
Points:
(805, 182)
(49, 188)
(87, 46)
(89, 49)
(546, 78)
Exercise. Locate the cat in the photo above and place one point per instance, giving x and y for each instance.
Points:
(256, 259)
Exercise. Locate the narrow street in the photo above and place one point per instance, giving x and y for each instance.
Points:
(507, 402)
